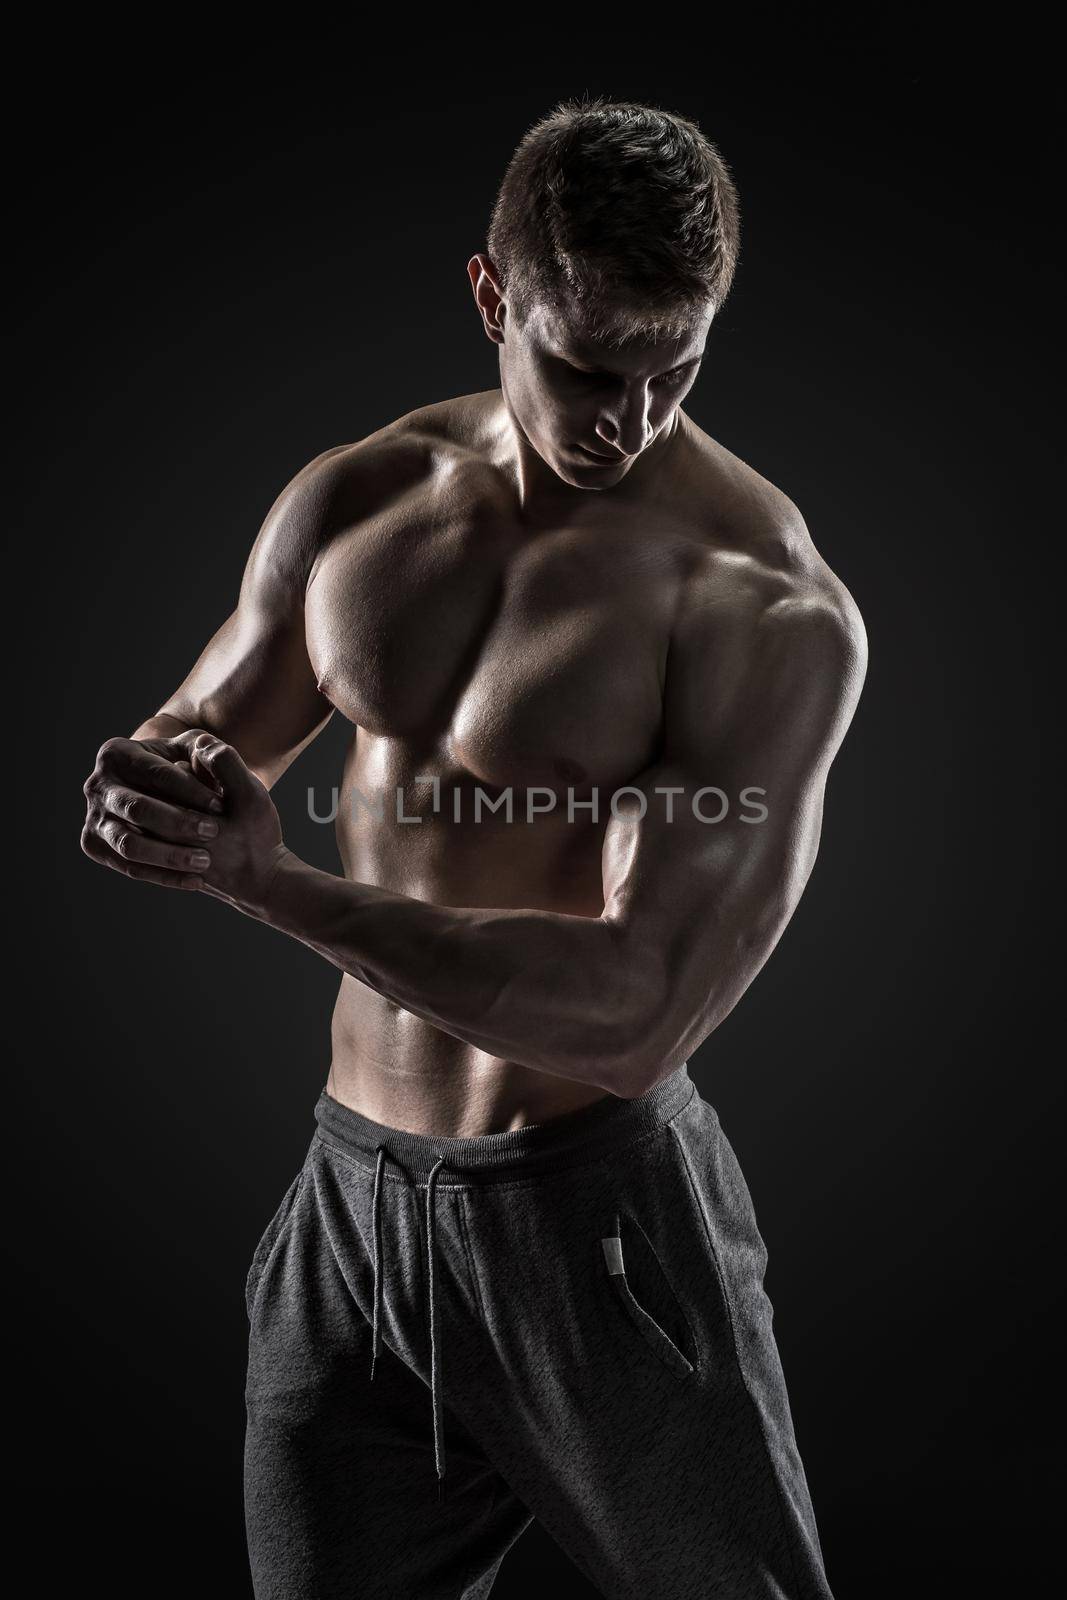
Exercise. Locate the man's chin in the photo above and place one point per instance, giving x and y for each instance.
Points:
(590, 474)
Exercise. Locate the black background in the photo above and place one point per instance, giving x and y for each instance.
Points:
(239, 256)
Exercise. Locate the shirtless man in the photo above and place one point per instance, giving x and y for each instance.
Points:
(516, 1213)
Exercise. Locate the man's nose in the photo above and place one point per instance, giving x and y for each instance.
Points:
(625, 425)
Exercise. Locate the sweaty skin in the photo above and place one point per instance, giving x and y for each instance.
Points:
(492, 608)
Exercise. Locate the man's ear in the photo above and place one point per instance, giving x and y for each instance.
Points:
(488, 295)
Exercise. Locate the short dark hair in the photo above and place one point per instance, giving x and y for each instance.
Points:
(622, 216)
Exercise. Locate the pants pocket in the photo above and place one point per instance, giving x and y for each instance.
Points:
(269, 1239)
(642, 1295)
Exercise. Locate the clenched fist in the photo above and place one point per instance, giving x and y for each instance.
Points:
(185, 813)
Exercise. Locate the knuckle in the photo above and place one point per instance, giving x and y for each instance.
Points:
(107, 751)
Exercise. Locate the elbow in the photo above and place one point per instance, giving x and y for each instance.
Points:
(616, 1055)
(635, 1072)
(624, 1035)
(610, 1057)
(640, 1047)
(632, 1079)
(657, 1047)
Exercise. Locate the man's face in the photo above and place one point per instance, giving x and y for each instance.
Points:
(587, 409)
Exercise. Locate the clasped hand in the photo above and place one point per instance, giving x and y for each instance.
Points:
(185, 813)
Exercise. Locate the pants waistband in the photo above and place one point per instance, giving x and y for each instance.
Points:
(566, 1141)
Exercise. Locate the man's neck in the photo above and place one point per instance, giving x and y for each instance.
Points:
(542, 495)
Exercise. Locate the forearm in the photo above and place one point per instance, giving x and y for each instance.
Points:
(551, 991)
(164, 726)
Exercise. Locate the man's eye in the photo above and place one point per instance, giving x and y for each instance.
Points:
(583, 375)
(575, 374)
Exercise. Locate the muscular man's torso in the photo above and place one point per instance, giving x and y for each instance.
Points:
(470, 642)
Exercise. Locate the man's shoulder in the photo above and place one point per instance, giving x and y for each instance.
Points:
(758, 576)
(767, 641)
(431, 441)
(789, 606)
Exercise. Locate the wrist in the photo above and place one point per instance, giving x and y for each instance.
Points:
(267, 904)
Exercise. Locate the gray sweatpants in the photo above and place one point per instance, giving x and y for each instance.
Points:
(568, 1321)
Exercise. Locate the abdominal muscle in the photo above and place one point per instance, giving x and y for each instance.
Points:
(403, 1072)
(398, 1069)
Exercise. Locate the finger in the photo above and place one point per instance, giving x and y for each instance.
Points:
(179, 751)
(157, 817)
(182, 743)
(131, 845)
(100, 851)
(186, 762)
(176, 748)
(141, 768)
(222, 762)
